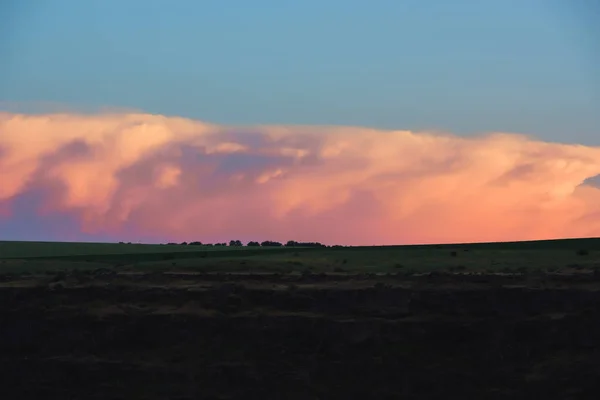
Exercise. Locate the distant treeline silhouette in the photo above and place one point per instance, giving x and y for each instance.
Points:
(266, 243)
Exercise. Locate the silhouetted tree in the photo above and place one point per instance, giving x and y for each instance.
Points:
(269, 243)
(293, 243)
(195, 243)
(184, 243)
(311, 244)
(235, 243)
(253, 244)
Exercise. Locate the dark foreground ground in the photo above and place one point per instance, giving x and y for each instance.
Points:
(102, 335)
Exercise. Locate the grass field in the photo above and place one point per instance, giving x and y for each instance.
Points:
(486, 257)
(492, 320)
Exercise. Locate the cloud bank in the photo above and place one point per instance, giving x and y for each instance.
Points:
(131, 176)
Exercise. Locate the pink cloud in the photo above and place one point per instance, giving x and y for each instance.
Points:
(188, 180)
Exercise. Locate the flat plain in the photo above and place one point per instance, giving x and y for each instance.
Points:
(493, 321)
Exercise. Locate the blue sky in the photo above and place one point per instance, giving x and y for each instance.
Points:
(465, 66)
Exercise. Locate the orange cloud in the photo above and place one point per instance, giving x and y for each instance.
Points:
(189, 180)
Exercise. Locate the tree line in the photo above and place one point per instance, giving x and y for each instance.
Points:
(266, 243)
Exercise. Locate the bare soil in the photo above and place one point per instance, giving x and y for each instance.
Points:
(106, 335)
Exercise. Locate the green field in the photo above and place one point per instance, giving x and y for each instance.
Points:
(488, 257)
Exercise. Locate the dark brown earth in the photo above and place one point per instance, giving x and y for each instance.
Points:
(102, 335)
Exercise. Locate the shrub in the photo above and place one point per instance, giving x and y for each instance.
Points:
(380, 286)
(59, 276)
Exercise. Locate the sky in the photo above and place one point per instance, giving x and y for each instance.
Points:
(351, 122)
